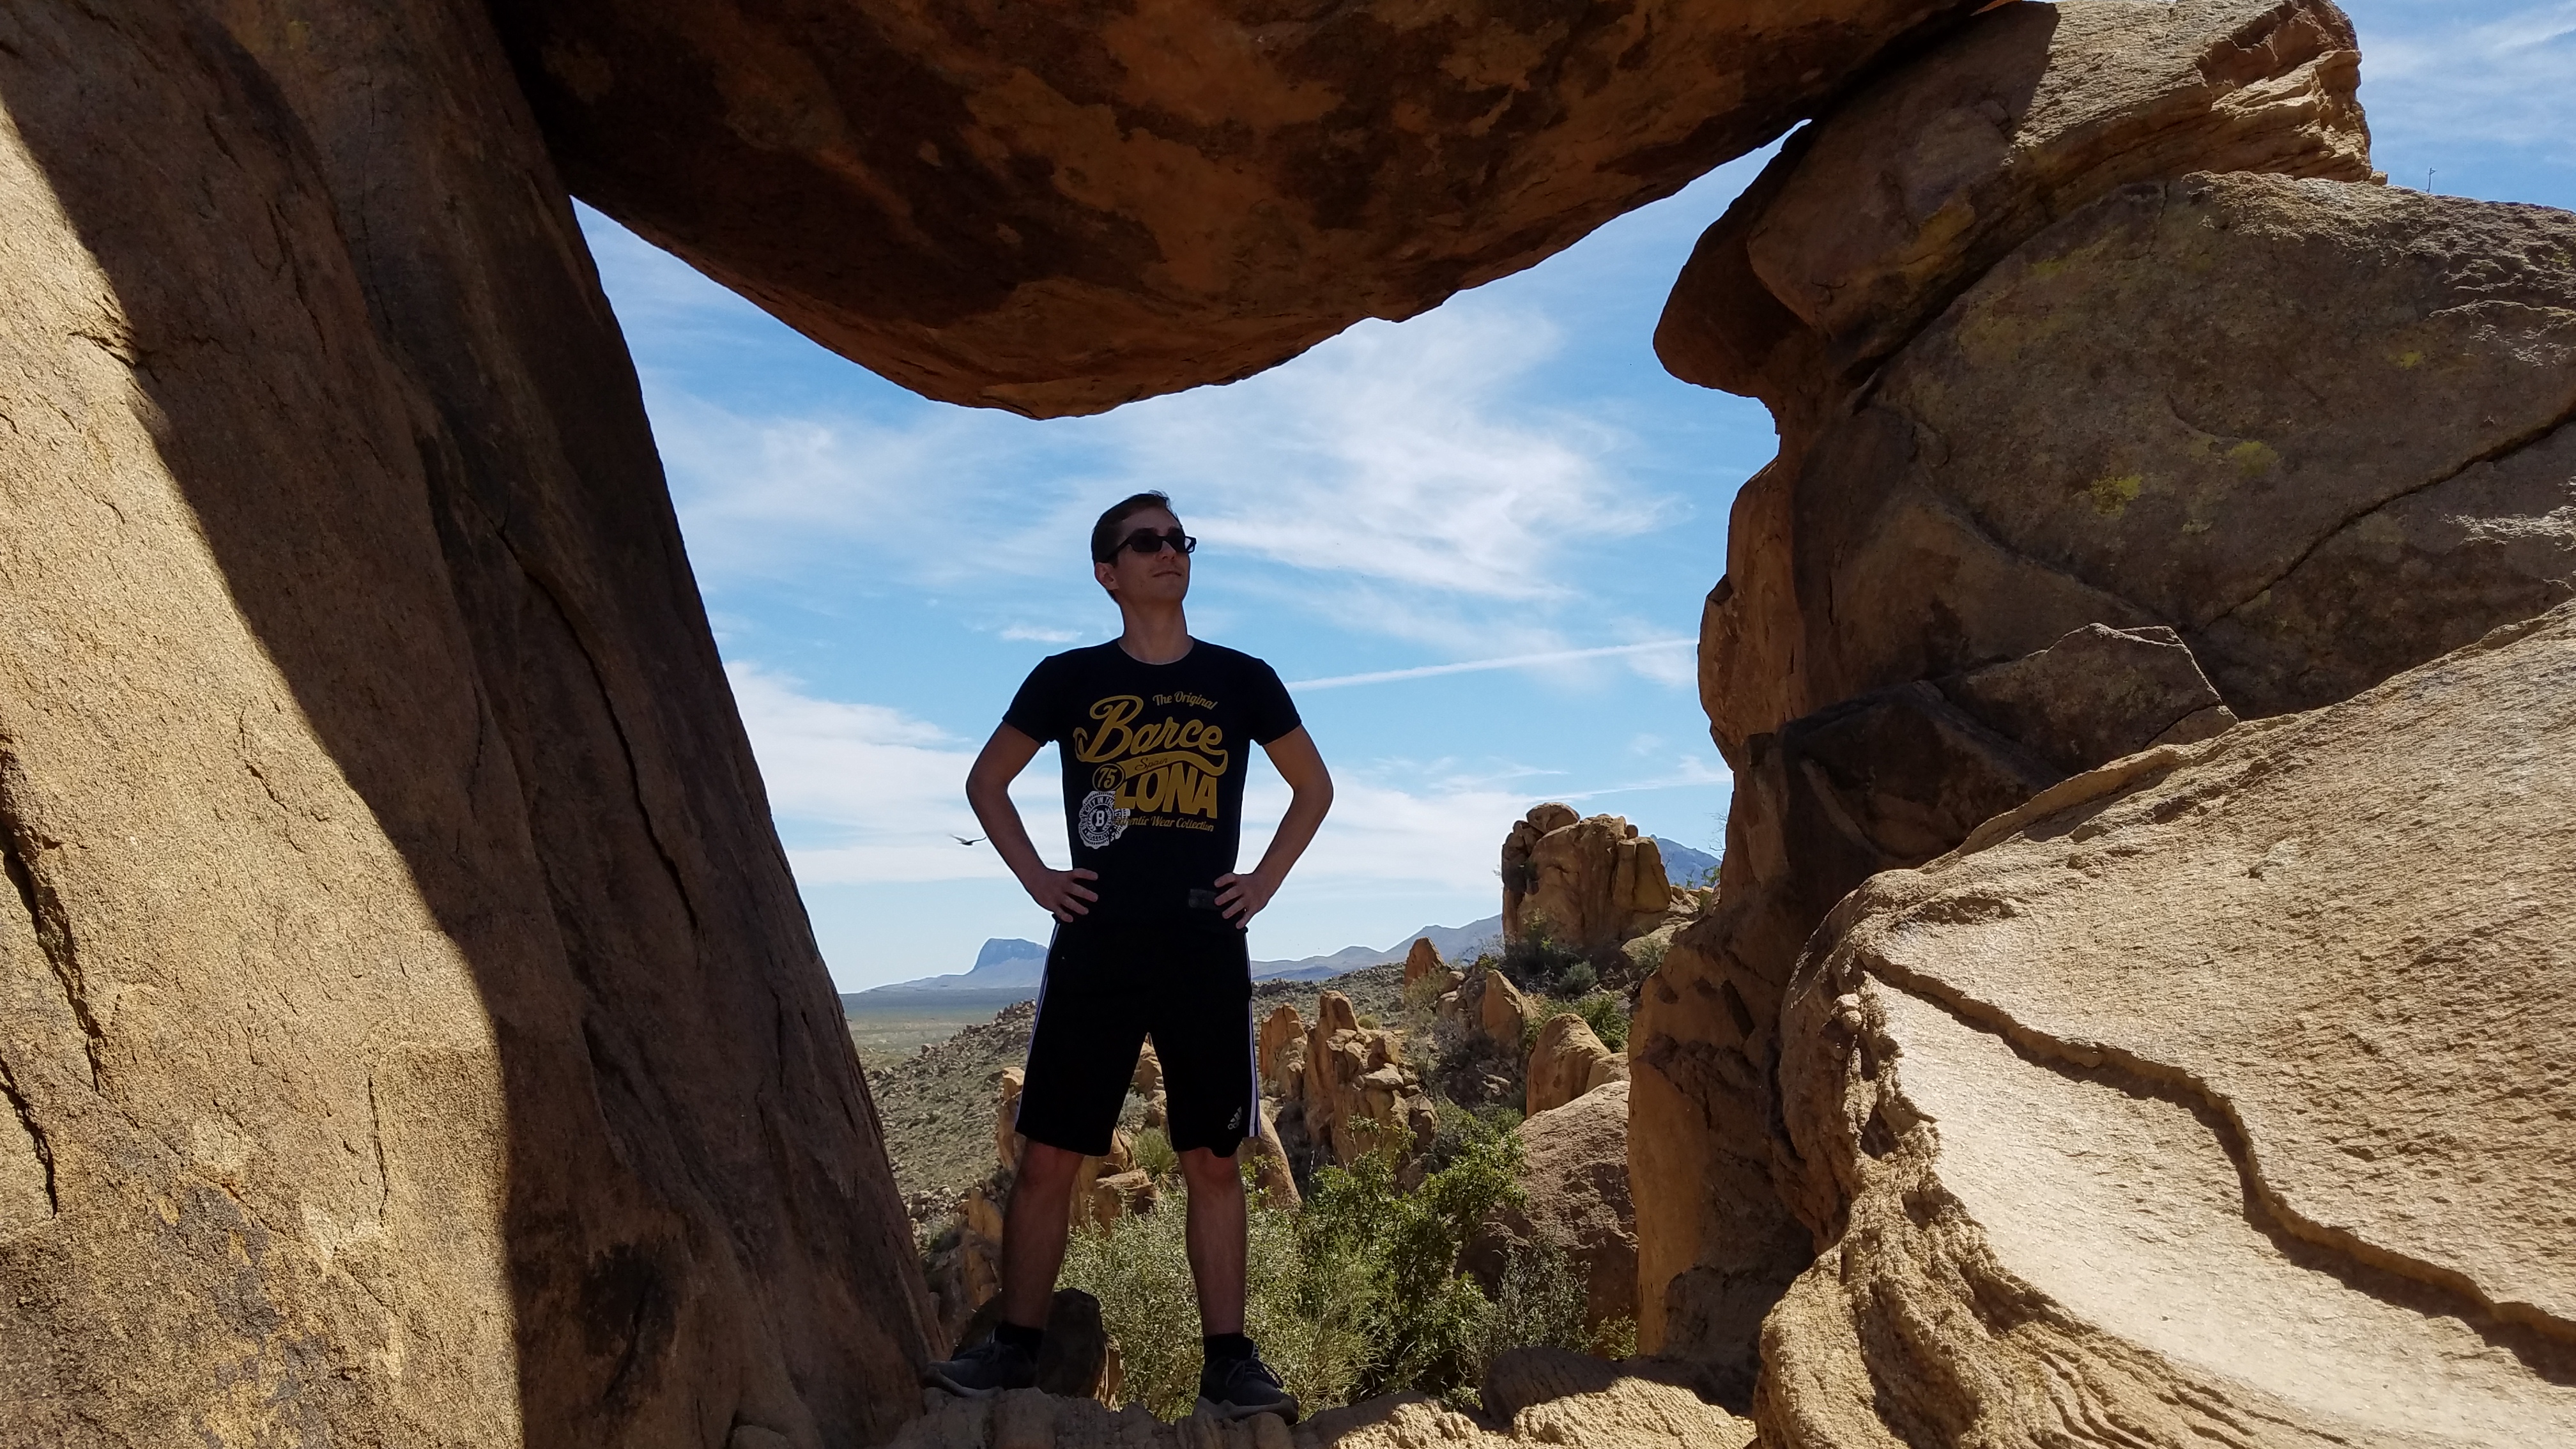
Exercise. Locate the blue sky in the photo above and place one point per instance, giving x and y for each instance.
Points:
(1508, 477)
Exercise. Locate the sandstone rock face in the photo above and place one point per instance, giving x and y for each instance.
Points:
(1896, 202)
(1491, 1007)
(2229, 1084)
(1589, 884)
(2249, 443)
(409, 1027)
(1567, 1061)
(1881, 782)
(1545, 1396)
(1281, 1030)
(1056, 212)
(1575, 1170)
(1354, 1090)
(1422, 961)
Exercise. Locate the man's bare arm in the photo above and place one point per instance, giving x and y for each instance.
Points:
(1310, 794)
(988, 789)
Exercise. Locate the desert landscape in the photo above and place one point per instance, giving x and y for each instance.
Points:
(2130, 1010)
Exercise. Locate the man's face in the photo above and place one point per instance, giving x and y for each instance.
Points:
(1162, 576)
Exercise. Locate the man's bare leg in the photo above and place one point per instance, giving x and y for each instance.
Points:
(1033, 1234)
(1216, 1239)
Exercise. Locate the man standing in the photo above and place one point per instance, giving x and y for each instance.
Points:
(1153, 729)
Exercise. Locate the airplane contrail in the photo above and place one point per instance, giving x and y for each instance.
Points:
(1469, 666)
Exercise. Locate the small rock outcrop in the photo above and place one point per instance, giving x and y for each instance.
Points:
(1589, 884)
(1355, 1091)
(1575, 1171)
(1423, 961)
(1280, 1047)
(1566, 1061)
(1078, 1360)
(2229, 1082)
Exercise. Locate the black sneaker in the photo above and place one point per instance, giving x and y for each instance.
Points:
(984, 1370)
(1243, 1388)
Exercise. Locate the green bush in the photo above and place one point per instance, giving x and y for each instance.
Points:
(1536, 963)
(1607, 1015)
(1154, 1153)
(1423, 1320)
(1539, 1303)
(1139, 1269)
(1462, 1128)
(1358, 1295)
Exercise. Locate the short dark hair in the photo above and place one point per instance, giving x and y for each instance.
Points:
(1104, 534)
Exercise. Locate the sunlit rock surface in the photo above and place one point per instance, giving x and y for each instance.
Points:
(2220, 1094)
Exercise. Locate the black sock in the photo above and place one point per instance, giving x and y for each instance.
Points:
(1026, 1340)
(1227, 1348)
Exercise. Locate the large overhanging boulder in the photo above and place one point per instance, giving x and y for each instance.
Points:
(1058, 209)
(2222, 1095)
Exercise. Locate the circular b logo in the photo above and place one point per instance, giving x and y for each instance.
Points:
(1100, 821)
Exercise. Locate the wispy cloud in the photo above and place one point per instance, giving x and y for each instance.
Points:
(1471, 666)
(1396, 482)
(868, 794)
(2436, 71)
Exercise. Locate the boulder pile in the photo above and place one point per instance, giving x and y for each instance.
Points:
(1588, 884)
(1343, 1089)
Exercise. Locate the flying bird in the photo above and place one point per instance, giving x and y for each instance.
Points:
(962, 840)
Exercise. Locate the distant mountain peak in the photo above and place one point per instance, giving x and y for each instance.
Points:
(1008, 948)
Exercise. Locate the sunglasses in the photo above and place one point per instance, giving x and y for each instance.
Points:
(1147, 542)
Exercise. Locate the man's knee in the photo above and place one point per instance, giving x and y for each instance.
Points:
(1044, 1167)
(1204, 1170)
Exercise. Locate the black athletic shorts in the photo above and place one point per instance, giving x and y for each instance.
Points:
(1187, 983)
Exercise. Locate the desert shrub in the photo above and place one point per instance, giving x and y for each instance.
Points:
(1538, 1303)
(1367, 1020)
(1648, 954)
(1358, 1295)
(1536, 963)
(1420, 1016)
(1424, 1322)
(1462, 1128)
(1607, 1015)
(1155, 1155)
(1139, 1269)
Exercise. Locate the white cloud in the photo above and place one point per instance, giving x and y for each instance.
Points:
(1517, 661)
(1393, 482)
(870, 795)
(1040, 634)
(862, 792)
(2435, 70)
(1395, 453)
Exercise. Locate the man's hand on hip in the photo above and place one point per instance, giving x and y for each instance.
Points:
(1061, 893)
(1241, 897)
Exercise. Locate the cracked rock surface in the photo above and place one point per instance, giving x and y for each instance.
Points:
(2225, 1092)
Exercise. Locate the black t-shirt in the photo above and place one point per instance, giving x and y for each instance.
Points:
(1154, 758)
